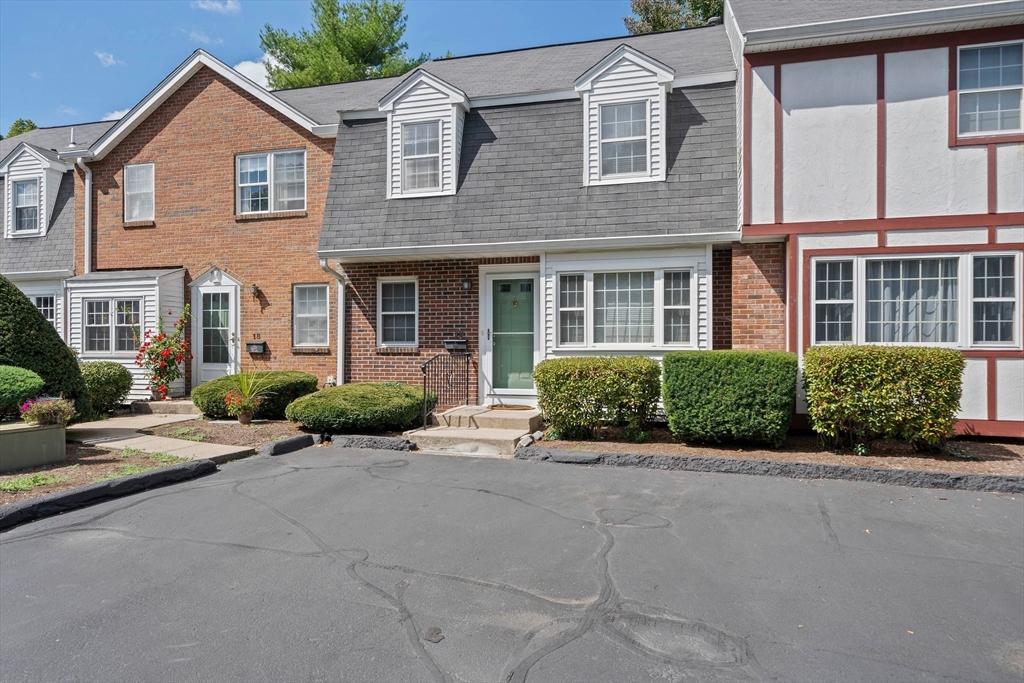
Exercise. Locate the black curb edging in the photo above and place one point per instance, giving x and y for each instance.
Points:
(289, 445)
(384, 443)
(64, 501)
(796, 470)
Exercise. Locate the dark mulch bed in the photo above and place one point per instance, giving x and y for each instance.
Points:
(973, 456)
(254, 435)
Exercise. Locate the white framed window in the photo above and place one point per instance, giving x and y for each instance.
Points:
(25, 194)
(624, 308)
(311, 308)
(47, 305)
(572, 320)
(624, 139)
(112, 325)
(421, 156)
(139, 195)
(955, 300)
(677, 306)
(271, 182)
(397, 312)
(990, 82)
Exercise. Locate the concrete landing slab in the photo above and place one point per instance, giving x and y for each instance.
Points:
(485, 442)
(98, 431)
(189, 450)
(483, 417)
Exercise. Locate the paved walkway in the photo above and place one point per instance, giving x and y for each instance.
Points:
(117, 433)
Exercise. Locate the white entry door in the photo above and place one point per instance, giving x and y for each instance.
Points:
(215, 337)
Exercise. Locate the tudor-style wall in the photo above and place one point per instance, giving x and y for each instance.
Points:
(193, 139)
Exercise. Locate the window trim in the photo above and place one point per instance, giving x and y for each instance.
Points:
(415, 312)
(659, 342)
(296, 316)
(560, 343)
(111, 325)
(35, 302)
(623, 177)
(440, 158)
(965, 301)
(271, 169)
(977, 137)
(40, 207)
(1016, 300)
(152, 191)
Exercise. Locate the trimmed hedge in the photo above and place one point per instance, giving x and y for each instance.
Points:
(859, 393)
(108, 383)
(17, 385)
(714, 396)
(580, 394)
(28, 341)
(362, 406)
(284, 386)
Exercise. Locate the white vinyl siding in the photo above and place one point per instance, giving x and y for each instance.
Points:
(423, 104)
(311, 315)
(990, 84)
(397, 312)
(139, 199)
(271, 182)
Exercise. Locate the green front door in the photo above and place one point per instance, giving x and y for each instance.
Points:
(512, 329)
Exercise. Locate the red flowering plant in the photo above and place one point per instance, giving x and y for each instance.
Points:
(161, 354)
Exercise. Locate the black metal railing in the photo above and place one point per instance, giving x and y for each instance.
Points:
(445, 382)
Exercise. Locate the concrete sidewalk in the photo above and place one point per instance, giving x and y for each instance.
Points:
(118, 433)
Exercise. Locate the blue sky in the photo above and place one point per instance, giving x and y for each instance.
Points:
(67, 62)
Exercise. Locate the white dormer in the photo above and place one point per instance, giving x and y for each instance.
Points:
(624, 105)
(32, 178)
(425, 120)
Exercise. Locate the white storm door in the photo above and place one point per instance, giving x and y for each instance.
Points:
(215, 338)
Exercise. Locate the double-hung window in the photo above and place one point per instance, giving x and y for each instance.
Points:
(271, 182)
(995, 299)
(624, 142)
(572, 325)
(421, 157)
(397, 312)
(311, 315)
(112, 325)
(139, 200)
(47, 305)
(990, 83)
(26, 206)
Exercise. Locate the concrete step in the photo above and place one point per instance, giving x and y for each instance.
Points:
(481, 443)
(481, 417)
(172, 407)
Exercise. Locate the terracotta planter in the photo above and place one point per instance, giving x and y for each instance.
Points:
(244, 418)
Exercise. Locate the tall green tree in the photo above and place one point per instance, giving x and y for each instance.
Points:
(21, 126)
(348, 42)
(669, 15)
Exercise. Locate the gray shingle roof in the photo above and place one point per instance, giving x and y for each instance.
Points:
(53, 251)
(555, 67)
(757, 15)
(57, 137)
(520, 179)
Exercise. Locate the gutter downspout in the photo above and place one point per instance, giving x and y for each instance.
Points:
(342, 282)
(88, 213)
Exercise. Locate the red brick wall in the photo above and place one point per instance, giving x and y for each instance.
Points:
(759, 296)
(721, 298)
(446, 311)
(193, 139)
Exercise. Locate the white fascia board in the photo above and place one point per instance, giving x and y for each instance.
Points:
(705, 79)
(38, 275)
(874, 27)
(664, 73)
(170, 85)
(455, 96)
(572, 244)
(44, 162)
(326, 130)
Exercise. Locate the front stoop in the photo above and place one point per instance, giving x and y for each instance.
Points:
(172, 407)
(477, 431)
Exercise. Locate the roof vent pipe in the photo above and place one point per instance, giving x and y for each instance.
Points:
(71, 145)
(714, 21)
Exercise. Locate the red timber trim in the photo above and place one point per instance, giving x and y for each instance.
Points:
(792, 287)
(992, 178)
(974, 220)
(993, 234)
(990, 378)
(778, 143)
(747, 136)
(1001, 428)
(881, 134)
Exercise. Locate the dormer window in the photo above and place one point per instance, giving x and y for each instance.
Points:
(26, 206)
(29, 179)
(624, 139)
(421, 157)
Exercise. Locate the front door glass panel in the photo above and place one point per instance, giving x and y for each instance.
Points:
(512, 329)
(216, 309)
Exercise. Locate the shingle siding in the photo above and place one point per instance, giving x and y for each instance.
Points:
(53, 251)
(521, 179)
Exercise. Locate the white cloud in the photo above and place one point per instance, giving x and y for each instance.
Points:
(115, 115)
(218, 6)
(256, 71)
(199, 37)
(107, 59)
(65, 110)
(35, 74)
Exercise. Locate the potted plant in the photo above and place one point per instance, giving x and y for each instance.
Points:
(161, 355)
(47, 411)
(251, 388)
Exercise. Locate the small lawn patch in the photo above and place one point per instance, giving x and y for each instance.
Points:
(30, 481)
(188, 434)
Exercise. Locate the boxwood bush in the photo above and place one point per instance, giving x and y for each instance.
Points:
(108, 384)
(714, 396)
(285, 386)
(28, 341)
(359, 407)
(17, 385)
(578, 395)
(859, 393)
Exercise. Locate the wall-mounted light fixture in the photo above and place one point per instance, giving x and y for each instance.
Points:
(254, 290)
(467, 284)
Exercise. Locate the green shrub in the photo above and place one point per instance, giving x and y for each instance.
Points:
(859, 393)
(17, 385)
(363, 406)
(578, 395)
(108, 384)
(285, 385)
(28, 341)
(713, 396)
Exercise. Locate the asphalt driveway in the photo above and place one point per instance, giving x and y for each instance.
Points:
(332, 564)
